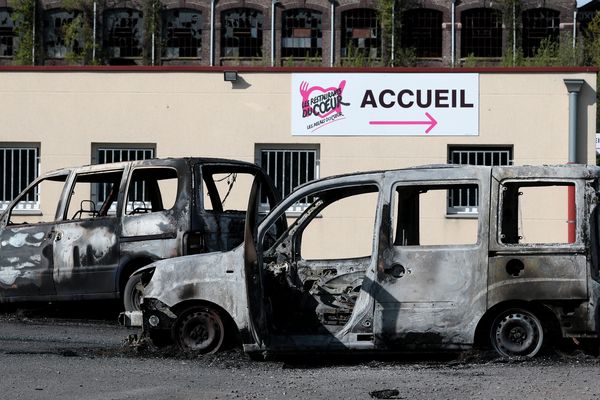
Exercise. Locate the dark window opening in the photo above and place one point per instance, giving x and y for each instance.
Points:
(301, 34)
(123, 31)
(8, 35)
(539, 24)
(361, 33)
(241, 33)
(56, 23)
(481, 33)
(182, 33)
(422, 30)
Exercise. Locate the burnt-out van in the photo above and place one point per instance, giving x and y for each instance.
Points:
(79, 233)
(425, 258)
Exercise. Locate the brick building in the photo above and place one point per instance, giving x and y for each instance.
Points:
(285, 32)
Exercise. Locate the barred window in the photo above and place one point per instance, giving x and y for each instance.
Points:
(106, 153)
(55, 24)
(539, 24)
(19, 166)
(242, 33)
(481, 33)
(8, 35)
(422, 30)
(361, 33)
(301, 34)
(289, 168)
(123, 31)
(182, 33)
(466, 200)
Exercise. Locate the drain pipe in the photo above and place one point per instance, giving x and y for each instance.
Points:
(273, 3)
(212, 33)
(453, 34)
(94, 36)
(573, 87)
(332, 29)
(574, 28)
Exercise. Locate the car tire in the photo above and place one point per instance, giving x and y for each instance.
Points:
(200, 330)
(517, 332)
(133, 292)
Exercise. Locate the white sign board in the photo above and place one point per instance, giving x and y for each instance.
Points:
(386, 104)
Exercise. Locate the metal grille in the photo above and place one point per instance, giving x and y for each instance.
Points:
(123, 32)
(108, 155)
(466, 200)
(301, 34)
(289, 169)
(242, 33)
(182, 33)
(8, 36)
(19, 167)
(481, 33)
(539, 24)
(422, 30)
(361, 33)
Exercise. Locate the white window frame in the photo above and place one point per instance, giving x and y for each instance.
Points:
(496, 155)
(289, 149)
(22, 149)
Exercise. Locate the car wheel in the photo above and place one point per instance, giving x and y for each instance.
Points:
(201, 330)
(517, 332)
(133, 292)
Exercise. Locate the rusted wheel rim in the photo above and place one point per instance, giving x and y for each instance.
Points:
(517, 333)
(200, 330)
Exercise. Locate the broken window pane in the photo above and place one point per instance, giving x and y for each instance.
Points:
(301, 34)
(481, 33)
(419, 217)
(539, 24)
(361, 33)
(344, 228)
(182, 33)
(44, 197)
(537, 212)
(123, 32)
(422, 31)
(151, 190)
(241, 33)
(288, 169)
(56, 23)
(8, 35)
(465, 201)
(19, 166)
(80, 203)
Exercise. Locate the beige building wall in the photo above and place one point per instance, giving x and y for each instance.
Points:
(196, 113)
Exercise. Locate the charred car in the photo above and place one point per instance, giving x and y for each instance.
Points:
(425, 258)
(100, 223)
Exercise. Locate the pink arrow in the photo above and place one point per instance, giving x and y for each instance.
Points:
(432, 122)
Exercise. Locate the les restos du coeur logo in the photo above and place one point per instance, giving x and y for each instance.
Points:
(321, 106)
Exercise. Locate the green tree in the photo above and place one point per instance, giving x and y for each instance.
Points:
(24, 15)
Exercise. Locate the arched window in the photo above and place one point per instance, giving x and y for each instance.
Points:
(182, 33)
(241, 33)
(422, 30)
(539, 24)
(8, 35)
(55, 23)
(361, 33)
(123, 32)
(301, 34)
(481, 33)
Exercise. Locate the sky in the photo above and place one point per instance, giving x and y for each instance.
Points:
(582, 2)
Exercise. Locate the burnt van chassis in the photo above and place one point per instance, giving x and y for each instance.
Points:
(405, 296)
(92, 253)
